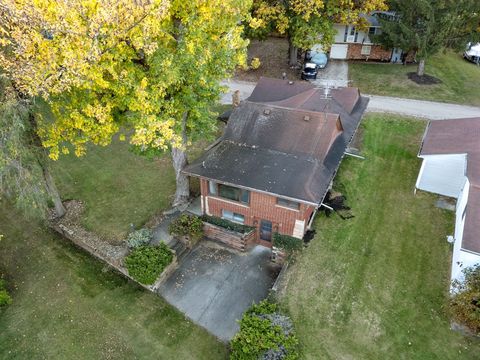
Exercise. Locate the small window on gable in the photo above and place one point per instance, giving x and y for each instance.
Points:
(372, 30)
(212, 188)
(288, 203)
(232, 216)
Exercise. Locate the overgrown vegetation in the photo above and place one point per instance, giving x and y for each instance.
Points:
(227, 224)
(376, 286)
(5, 298)
(140, 237)
(187, 225)
(146, 263)
(286, 242)
(465, 303)
(265, 334)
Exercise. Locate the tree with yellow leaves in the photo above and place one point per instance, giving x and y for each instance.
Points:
(307, 22)
(150, 65)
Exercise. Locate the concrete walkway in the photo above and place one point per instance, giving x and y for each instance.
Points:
(214, 286)
(430, 110)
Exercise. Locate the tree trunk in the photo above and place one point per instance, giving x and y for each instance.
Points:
(292, 53)
(179, 157)
(53, 192)
(421, 67)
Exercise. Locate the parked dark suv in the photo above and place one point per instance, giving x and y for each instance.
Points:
(309, 71)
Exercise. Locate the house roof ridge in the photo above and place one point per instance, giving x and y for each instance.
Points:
(293, 109)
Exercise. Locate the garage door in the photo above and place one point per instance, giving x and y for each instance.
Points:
(339, 51)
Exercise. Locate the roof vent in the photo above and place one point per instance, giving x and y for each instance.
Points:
(306, 118)
(266, 111)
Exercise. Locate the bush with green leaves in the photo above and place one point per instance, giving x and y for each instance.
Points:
(286, 242)
(139, 238)
(187, 225)
(265, 334)
(226, 224)
(5, 298)
(465, 302)
(146, 263)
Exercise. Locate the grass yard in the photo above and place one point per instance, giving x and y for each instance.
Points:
(119, 187)
(375, 286)
(460, 80)
(66, 305)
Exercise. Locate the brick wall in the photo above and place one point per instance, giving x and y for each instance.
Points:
(261, 207)
(377, 53)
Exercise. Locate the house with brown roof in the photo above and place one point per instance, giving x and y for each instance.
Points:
(451, 167)
(279, 153)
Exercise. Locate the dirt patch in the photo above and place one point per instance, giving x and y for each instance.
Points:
(273, 54)
(424, 79)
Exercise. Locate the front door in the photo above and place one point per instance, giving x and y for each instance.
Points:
(266, 230)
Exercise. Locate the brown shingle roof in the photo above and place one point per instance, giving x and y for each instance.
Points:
(460, 136)
(286, 139)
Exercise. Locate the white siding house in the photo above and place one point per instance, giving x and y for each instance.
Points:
(451, 167)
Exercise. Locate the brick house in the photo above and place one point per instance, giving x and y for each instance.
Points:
(276, 160)
(352, 43)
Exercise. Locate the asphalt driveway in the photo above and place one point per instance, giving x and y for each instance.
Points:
(214, 286)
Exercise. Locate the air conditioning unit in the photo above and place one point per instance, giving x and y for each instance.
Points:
(351, 38)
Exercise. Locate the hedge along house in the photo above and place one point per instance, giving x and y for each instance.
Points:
(276, 160)
(451, 167)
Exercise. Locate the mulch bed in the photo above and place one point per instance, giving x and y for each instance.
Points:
(424, 79)
(273, 54)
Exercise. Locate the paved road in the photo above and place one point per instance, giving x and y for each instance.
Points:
(418, 108)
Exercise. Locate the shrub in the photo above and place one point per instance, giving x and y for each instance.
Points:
(5, 298)
(255, 63)
(146, 263)
(265, 334)
(465, 303)
(187, 225)
(227, 224)
(139, 238)
(287, 243)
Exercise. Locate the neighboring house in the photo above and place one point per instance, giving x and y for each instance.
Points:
(276, 160)
(353, 44)
(451, 167)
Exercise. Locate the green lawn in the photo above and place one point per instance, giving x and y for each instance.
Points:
(66, 305)
(375, 286)
(119, 187)
(460, 80)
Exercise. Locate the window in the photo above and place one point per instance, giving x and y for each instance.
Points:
(372, 30)
(233, 193)
(366, 50)
(230, 215)
(212, 188)
(288, 203)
